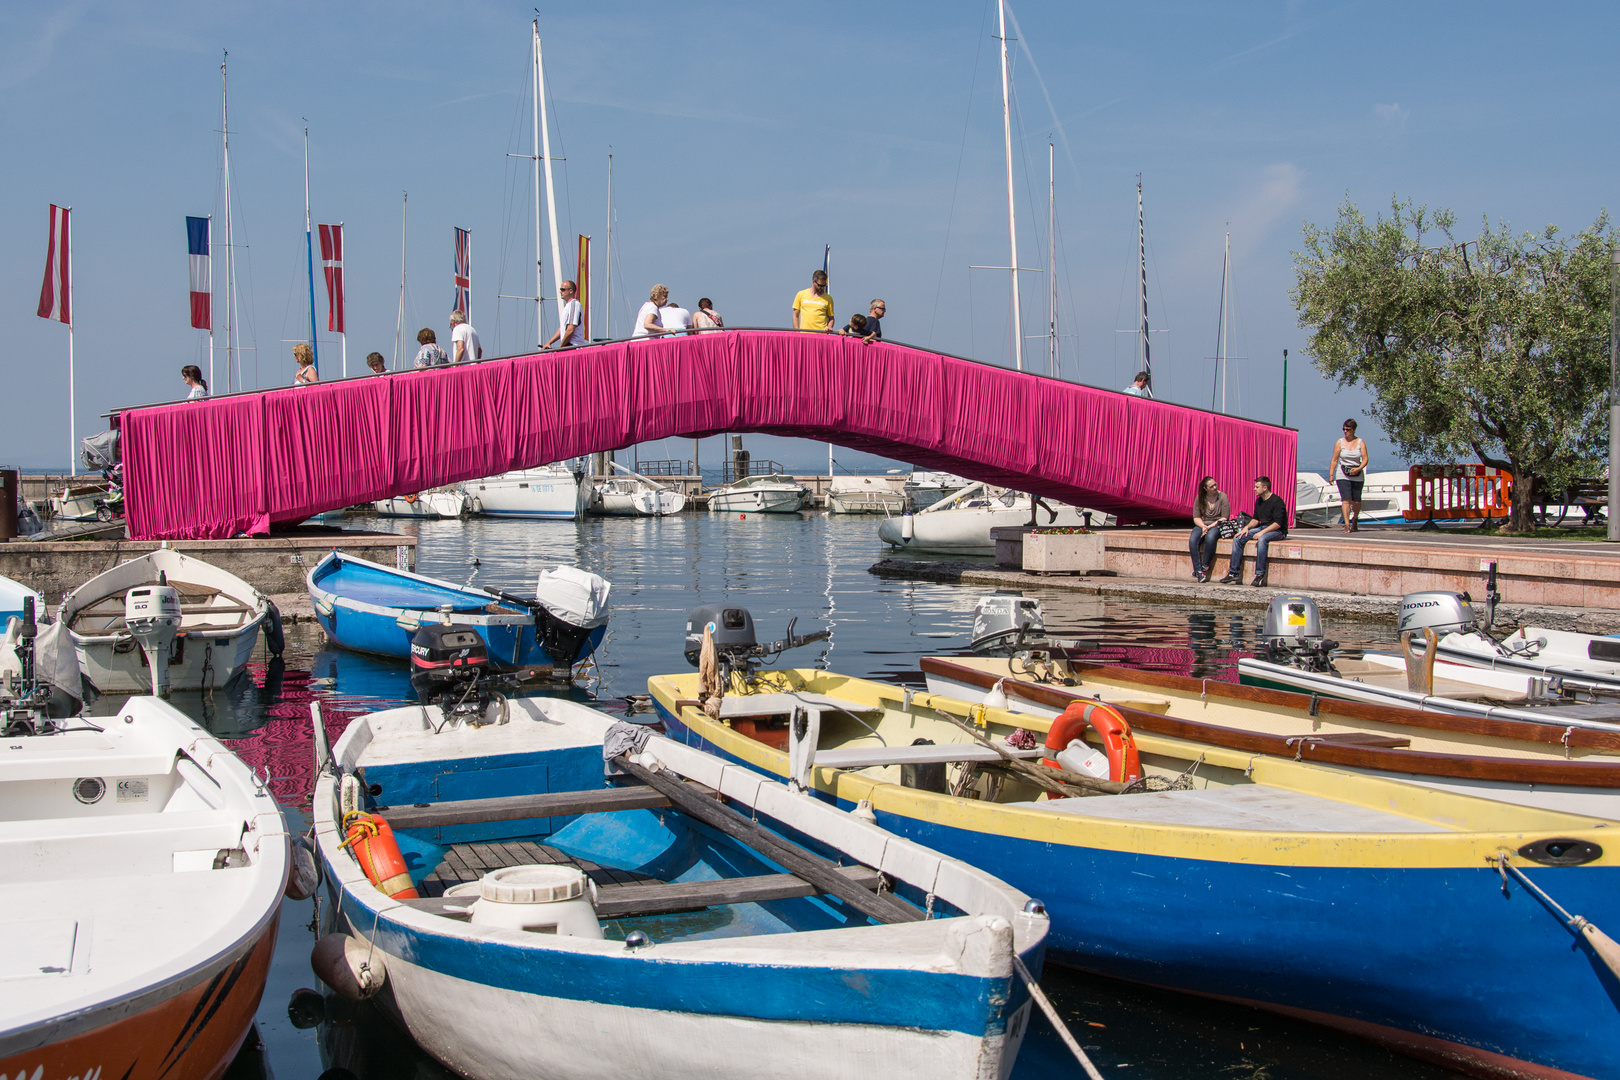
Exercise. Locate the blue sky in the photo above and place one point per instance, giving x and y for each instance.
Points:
(745, 137)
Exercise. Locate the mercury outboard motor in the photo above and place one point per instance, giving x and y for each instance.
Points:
(1292, 635)
(1006, 622)
(1442, 612)
(450, 669)
(734, 640)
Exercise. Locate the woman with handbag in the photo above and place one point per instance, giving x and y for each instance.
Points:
(1349, 468)
(1210, 510)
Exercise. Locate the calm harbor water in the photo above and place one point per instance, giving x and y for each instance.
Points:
(813, 567)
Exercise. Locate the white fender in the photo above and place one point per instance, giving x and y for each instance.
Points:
(352, 968)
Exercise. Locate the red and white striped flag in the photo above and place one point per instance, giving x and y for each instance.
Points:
(56, 295)
(332, 261)
(463, 274)
(201, 279)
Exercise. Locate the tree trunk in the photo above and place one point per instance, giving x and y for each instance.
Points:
(1522, 520)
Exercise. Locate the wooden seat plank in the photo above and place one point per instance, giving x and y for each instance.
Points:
(519, 807)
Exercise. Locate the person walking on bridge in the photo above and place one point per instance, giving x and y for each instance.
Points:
(464, 343)
(647, 318)
(571, 332)
(812, 307)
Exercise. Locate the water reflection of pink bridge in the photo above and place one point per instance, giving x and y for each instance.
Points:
(241, 464)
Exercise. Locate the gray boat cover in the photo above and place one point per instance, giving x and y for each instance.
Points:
(575, 596)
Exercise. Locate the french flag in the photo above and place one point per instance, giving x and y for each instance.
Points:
(201, 275)
(332, 263)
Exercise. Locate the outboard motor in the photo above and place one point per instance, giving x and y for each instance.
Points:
(572, 613)
(152, 613)
(1442, 612)
(1006, 622)
(1292, 635)
(450, 668)
(734, 640)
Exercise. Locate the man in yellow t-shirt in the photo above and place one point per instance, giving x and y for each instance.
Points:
(812, 307)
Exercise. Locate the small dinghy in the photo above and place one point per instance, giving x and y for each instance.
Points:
(1347, 899)
(371, 608)
(142, 868)
(220, 617)
(537, 891)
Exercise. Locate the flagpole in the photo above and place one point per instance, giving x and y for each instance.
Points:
(211, 303)
(309, 255)
(73, 433)
(399, 320)
(343, 335)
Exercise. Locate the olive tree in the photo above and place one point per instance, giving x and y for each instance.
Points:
(1493, 348)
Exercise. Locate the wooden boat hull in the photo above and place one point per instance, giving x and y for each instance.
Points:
(843, 1000)
(1378, 933)
(368, 608)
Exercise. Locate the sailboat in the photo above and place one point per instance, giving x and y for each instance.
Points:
(635, 495)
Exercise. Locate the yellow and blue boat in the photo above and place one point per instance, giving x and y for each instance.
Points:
(1441, 924)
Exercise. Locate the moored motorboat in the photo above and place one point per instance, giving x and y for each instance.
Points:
(961, 524)
(615, 915)
(764, 493)
(549, 491)
(867, 495)
(428, 504)
(142, 873)
(626, 496)
(925, 488)
(220, 619)
(372, 608)
(1350, 900)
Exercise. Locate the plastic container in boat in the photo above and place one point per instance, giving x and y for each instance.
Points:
(540, 899)
(1080, 758)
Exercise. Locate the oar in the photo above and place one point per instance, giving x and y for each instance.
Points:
(1045, 1003)
(1036, 776)
(1601, 944)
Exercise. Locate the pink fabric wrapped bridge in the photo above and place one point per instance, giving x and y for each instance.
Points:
(242, 464)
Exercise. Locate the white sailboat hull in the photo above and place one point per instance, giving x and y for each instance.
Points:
(551, 491)
(966, 530)
(759, 499)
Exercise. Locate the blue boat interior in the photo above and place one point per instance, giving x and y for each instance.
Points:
(618, 850)
(370, 583)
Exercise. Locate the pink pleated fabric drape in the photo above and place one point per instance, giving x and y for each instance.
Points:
(229, 466)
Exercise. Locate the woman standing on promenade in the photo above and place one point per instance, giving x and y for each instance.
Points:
(1349, 468)
(1210, 508)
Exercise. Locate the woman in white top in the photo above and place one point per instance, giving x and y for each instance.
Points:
(1349, 468)
(192, 374)
(647, 318)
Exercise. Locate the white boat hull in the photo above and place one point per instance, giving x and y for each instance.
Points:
(966, 531)
(549, 492)
(759, 500)
(218, 631)
(621, 498)
(432, 504)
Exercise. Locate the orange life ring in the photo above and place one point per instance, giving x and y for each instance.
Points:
(410, 498)
(375, 848)
(1124, 765)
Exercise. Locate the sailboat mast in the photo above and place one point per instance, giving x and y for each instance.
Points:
(230, 251)
(607, 326)
(399, 320)
(309, 256)
(1226, 283)
(545, 153)
(539, 295)
(1141, 261)
(1051, 260)
(1012, 218)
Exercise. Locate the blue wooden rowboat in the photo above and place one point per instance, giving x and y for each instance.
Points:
(686, 953)
(1364, 903)
(371, 608)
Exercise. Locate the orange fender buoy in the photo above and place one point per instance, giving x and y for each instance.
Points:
(374, 846)
(410, 498)
(1124, 764)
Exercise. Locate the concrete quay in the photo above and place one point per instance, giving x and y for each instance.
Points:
(1559, 584)
(274, 565)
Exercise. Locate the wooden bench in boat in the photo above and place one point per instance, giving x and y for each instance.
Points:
(620, 893)
(865, 757)
(521, 807)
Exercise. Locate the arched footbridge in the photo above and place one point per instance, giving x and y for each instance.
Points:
(243, 463)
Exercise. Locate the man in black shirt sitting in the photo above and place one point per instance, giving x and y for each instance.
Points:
(1270, 523)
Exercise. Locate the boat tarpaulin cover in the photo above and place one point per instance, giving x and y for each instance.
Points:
(575, 596)
(229, 465)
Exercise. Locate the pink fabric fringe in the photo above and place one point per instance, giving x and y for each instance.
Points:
(223, 467)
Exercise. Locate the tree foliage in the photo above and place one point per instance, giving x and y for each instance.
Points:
(1493, 349)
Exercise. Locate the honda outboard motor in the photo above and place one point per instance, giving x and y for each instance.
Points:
(1292, 635)
(152, 613)
(572, 616)
(449, 663)
(1006, 622)
(1442, 612)
(734, 641)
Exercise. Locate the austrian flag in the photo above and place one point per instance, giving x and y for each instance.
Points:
(332, 262)
(201, 276)
(56, 294)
